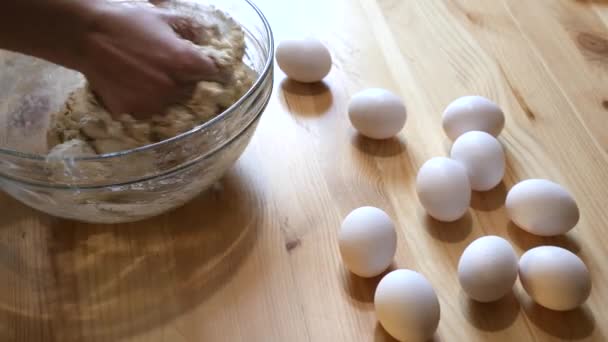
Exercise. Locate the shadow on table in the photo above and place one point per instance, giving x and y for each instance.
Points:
(567, 325)
(106, 282)
(13, 211)
(379, 148)
(361, 290)
(319, 98)
(451, 232)
(527, 241)
(489, 200)
(494, 316)
(380, 335)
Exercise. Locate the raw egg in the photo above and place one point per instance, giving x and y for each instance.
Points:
(542, 207)
(407, 306)
(472, 113)
(443, 188)
(483, 157)
(555, 277)
(368, 241)
(487, 269)
(304, 60)
(377, 113)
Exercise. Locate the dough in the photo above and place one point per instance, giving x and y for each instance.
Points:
(84, 127)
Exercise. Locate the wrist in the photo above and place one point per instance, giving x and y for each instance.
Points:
(88, 17)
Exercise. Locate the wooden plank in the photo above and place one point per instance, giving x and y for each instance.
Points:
(256, 258)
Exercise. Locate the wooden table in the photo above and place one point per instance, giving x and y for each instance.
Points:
(256, 258)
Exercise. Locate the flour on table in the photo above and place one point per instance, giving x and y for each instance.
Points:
(84, 127)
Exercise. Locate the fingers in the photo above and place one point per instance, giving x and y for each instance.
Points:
(148, 103)
(152, 97)
(191, 63)
(184, 26)
(186, 92)
(188, 63)
(152, 68)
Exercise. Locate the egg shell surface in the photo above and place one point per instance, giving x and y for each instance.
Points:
(472, 113)
(367, 241)
(554, 277)
(487, 269)
(304, 60)
(542, 207)
(407, 306)
(377, 113)
(443, 188)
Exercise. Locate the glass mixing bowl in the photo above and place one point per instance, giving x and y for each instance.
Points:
(128, 185)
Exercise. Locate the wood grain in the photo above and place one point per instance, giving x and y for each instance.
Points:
(256, 258)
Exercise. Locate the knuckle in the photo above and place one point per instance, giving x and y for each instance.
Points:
(186, 58)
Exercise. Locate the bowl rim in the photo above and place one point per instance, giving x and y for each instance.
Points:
(208, 124)
(169, 173)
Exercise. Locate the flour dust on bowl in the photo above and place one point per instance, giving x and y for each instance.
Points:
(131, 184)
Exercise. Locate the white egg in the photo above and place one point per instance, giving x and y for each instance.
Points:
(483, 157)
(377, 113)
(487, 269)
(407, 306)
(542, 207)
(368, 241)
(555, 277)
(304, 60)
(472, 113)
(443, 188)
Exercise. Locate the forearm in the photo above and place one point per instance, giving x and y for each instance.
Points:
(49, 29)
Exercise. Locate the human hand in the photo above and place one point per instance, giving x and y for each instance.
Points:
(138, 61)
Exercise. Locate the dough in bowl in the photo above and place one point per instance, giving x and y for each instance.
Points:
(83, 126)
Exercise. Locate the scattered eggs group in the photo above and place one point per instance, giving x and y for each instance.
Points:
(377, 113)
(542, 207)
(367, 241)
(405, 302)
(406, 306)
(304, 60)
(555, 277)
(487, 269)
(473, 122)
(443, 188)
